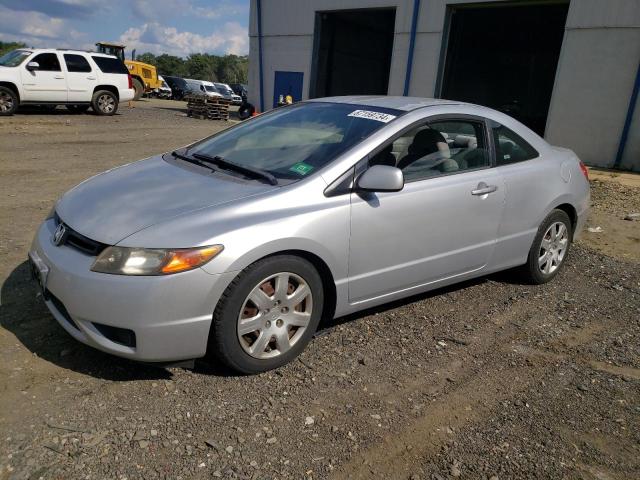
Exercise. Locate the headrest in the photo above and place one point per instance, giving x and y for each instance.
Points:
(465, 141)
(425, 142)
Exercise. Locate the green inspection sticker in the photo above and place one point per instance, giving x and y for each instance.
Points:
(301, 168)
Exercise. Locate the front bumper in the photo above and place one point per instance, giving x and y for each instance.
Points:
(169, 315)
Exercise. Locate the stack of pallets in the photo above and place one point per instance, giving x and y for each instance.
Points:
(206, 107)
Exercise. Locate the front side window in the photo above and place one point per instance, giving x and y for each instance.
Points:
(48, 62)
(511, 147)
(295, 142)
(437, 148)
(76, 63)
(14, 58)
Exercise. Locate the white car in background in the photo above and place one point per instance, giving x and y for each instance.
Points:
(164, 91)
(228, 93)
(74, 78)
(202, 87)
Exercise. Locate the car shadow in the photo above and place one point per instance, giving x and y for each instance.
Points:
(327, 325)
(60, 111)
(23, 313)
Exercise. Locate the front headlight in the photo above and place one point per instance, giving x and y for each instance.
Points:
(153, 261)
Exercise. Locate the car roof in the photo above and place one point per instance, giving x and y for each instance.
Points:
(66, 50)
(406, 104)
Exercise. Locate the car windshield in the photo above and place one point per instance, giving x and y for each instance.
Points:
(294, 142)
(210, 88)
(14, 58)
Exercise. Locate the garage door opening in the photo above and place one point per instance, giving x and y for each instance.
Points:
(505, 57)
(352, 52)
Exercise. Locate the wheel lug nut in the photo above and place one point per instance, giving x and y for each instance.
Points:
(279, 322)
(268, 324)
(285, 310)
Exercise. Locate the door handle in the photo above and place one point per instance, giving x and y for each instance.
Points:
(91, 78)
(59, 77)
(484, 189)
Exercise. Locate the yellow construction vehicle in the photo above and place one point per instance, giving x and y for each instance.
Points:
(144, 76)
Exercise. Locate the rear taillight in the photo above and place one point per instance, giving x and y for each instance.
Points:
(130, 80)
(585, 172)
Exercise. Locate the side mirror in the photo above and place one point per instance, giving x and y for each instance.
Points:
(381, 178)
(31, 66)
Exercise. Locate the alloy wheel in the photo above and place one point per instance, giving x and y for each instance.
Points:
(6, 102)
(274, 315)
(106, 103)
(553, 248)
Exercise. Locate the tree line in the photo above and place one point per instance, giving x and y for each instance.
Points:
(201, 66)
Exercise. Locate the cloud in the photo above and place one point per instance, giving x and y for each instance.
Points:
(30, 24)
(55, 8)
(155, 38)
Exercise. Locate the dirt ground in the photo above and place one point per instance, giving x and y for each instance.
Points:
(490, 379)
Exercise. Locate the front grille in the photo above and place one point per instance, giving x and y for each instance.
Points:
(79, 241)
(60, 308)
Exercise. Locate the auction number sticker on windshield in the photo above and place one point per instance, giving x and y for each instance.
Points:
(368, 114)
(301, 168)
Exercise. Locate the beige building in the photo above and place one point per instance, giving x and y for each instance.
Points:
(566, 68)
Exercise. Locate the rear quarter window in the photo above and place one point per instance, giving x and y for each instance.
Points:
(110, 65)
(511, 147)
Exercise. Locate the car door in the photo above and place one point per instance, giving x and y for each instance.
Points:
(47, 83)
(81, 79)
(444, 222)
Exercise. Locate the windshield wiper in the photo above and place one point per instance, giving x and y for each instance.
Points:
(195, 161)
(223, 163)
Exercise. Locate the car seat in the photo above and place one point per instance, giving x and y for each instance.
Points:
(384, 157)
(424, 143)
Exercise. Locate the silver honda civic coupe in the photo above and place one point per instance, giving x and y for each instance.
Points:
(236, 246)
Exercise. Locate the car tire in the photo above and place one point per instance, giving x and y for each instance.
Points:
(245, 111)
(139, 89)
(549, 249)
(104, 102)
(276, 340)
(8, 101)
(77, 108)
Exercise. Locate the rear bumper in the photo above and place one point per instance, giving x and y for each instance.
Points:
(169, 316)
(126, 94)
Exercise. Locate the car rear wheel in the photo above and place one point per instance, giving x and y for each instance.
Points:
(8, 101)
(104, 102)
(139, 88)
(549, 250)
(267, 315)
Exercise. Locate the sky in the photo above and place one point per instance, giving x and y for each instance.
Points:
(176, 27)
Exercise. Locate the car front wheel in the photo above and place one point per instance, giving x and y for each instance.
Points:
(104, 102)
(549, 250)
(8, 101)
(267, 315)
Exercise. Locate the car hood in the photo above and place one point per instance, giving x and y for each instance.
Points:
(115, 204)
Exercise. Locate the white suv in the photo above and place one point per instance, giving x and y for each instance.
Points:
(76, 79)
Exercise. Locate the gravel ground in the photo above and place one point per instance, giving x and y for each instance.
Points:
(488, 379)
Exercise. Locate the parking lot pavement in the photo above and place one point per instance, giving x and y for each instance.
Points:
(488, 379)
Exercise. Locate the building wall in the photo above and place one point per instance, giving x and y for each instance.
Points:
(594, 80)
